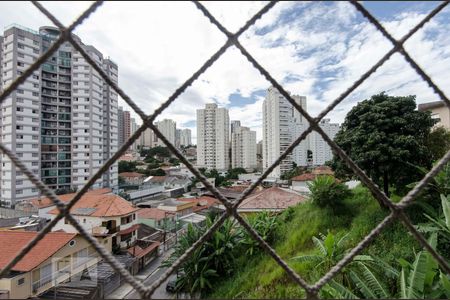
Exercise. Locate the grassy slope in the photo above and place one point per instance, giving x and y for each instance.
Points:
(261, 277)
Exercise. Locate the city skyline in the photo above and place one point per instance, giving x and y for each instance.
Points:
(301, 60)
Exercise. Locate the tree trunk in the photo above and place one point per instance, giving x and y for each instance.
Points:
(386, 183)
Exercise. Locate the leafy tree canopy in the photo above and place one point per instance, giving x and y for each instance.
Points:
(386, 136)
(438, 142)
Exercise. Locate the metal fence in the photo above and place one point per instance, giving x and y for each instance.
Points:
(397, 209)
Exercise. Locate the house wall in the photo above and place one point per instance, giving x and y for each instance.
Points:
(61, 259)
(300, 186)
(16, 291)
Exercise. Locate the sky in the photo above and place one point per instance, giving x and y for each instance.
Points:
(315, 50)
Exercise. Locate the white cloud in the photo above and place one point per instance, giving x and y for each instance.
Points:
(314, 49)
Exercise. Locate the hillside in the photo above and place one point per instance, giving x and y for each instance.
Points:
(260, 276)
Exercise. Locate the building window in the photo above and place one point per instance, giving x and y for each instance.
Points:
(21, 281)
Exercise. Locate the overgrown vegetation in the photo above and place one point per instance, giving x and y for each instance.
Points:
(312, 240)
(327, 192)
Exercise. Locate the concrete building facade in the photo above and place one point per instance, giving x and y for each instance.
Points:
(243, 148)
(185, 138)
(168, 129)
(62, 121)
(213, 138)
(280, 126)
(439, 112)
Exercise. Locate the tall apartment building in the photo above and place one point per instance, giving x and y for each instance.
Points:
(321, 151)
(62, 121)
(185, 137)
(243, 148)
(126, 125)
(168, 129)
(120, 125)
(213, 126)
(133, 128)
(234, 124)
(177, 138)
(149, 139)
(280, 123)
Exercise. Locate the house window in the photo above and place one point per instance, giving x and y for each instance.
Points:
(21, 281)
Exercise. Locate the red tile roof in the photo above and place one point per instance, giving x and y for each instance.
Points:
(129, 230)
(272, 198)
(11, 242)
(323, 170)
(100, 206)
(46, 202)
(131, 174)
(159, 179)
(151, 213)
(304, 177)
(137, 251)
(201, 203)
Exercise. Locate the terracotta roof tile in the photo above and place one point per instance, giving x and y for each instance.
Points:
(45, 248)
(46, 202)
(137, 251)
(151, 213)
(323, 170)
(100, 206)
(131, 174)
(158, 179)
(304, 177)
(272, 198)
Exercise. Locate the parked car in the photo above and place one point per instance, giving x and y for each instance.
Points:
(171, 286)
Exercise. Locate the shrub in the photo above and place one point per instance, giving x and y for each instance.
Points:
(327, 192)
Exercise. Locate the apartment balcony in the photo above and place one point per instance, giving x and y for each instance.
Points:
(63, 70)
(64, 94)
(48, 92)
(65, 78)
(49, 76)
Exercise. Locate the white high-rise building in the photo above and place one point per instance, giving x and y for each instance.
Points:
(234, 124)
(213, 127)
(280, 127)
(168, 129)
(62, 121)
(321, 151)
(133, 128)
(177, 138)
(243, 148)
(149, 139)
(185, 137)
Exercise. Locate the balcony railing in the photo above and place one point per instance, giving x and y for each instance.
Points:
(51, 277)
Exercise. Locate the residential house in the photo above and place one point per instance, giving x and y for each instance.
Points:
(110, 218)
(132, 178)
(145, 252)
(322, 170)
(56, 258)
(300, 183)
(180, 208)
(274, 199)
(439, 112)
(33, 223)
(42, 205)
(203, 203)
(156, 218)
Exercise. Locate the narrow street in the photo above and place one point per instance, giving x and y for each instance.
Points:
(160, 292)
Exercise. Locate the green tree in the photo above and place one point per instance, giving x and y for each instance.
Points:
(234, 173)
(127, 166)
(438, 142)
(384, 135)
(326, 191)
